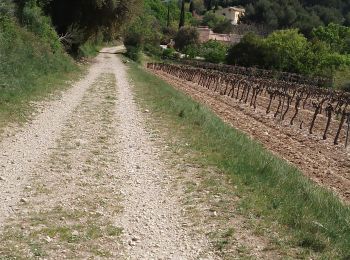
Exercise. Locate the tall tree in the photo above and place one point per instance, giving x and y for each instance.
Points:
(208, 4)
(182, 15)
(192, 7)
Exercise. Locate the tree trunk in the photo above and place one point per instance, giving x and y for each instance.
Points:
(182, 14)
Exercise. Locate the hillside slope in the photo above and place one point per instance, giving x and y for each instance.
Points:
(32, 60)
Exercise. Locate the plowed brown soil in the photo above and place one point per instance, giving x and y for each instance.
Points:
(320, 160)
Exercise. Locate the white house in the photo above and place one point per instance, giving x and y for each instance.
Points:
(232, 13)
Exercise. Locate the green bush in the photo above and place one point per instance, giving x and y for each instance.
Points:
(143, 34)
(133, 38)
(224, 27)
(28, 66)
(144, 30)
(7, 8)
(211, 19)
(186, 36)
(153, 50)
(35, 21)
(342, 79)
(133, 53)
(288, 50)
(251, 51)
(90, 48)
(168, 53)
(191, 50)
(218, 23)
(337, 37)
(214, 51)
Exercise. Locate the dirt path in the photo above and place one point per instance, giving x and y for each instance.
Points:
(324, 163)
(152, 217)
(20, 153)
(85, 180)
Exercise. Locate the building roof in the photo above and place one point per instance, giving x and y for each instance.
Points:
(238, 9)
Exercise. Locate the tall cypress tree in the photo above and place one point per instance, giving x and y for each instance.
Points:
(208, 4)
(192, 7)
(182, 15)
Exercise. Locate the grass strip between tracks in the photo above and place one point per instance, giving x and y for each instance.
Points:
(271, 189)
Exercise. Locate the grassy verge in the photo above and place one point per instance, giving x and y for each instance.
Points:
(342, 79)
(29, 69)
(270, 189)
(90, 49)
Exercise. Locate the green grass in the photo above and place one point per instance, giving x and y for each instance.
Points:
(29, 68)
(342, 79)
(60, 225)
(90, 49)
(270, 189)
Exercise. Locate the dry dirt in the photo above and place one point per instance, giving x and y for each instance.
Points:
(321, 161)
(84, 180)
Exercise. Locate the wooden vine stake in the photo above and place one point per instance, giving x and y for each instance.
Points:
(347, 131)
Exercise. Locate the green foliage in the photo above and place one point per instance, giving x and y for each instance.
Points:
(153, 50)
(199, 6)
(342, 79)
(143, 34)
(217, 23)
(182, 14)
(7, 8)
(159, 9)
(91, 47)
(151, 29)
(302, 14)
(337, 37)
(208, 4)
(134, 53)
(133, 37)
(28, 66)
(223, 27)
(251, 51)
(85, 19)
(186, 36)
(34, 20)
(144, 30)
(191, 50)
(214, 51)
(211, 19)
(168, 53)
(288, 50)
(168, 34)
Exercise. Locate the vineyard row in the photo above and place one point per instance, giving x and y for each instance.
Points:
(261, 73)
(300, 103)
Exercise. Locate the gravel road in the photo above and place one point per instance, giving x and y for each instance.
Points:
(85, 180)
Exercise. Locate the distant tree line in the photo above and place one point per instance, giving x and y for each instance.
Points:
(289, 50)
(281, 14)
